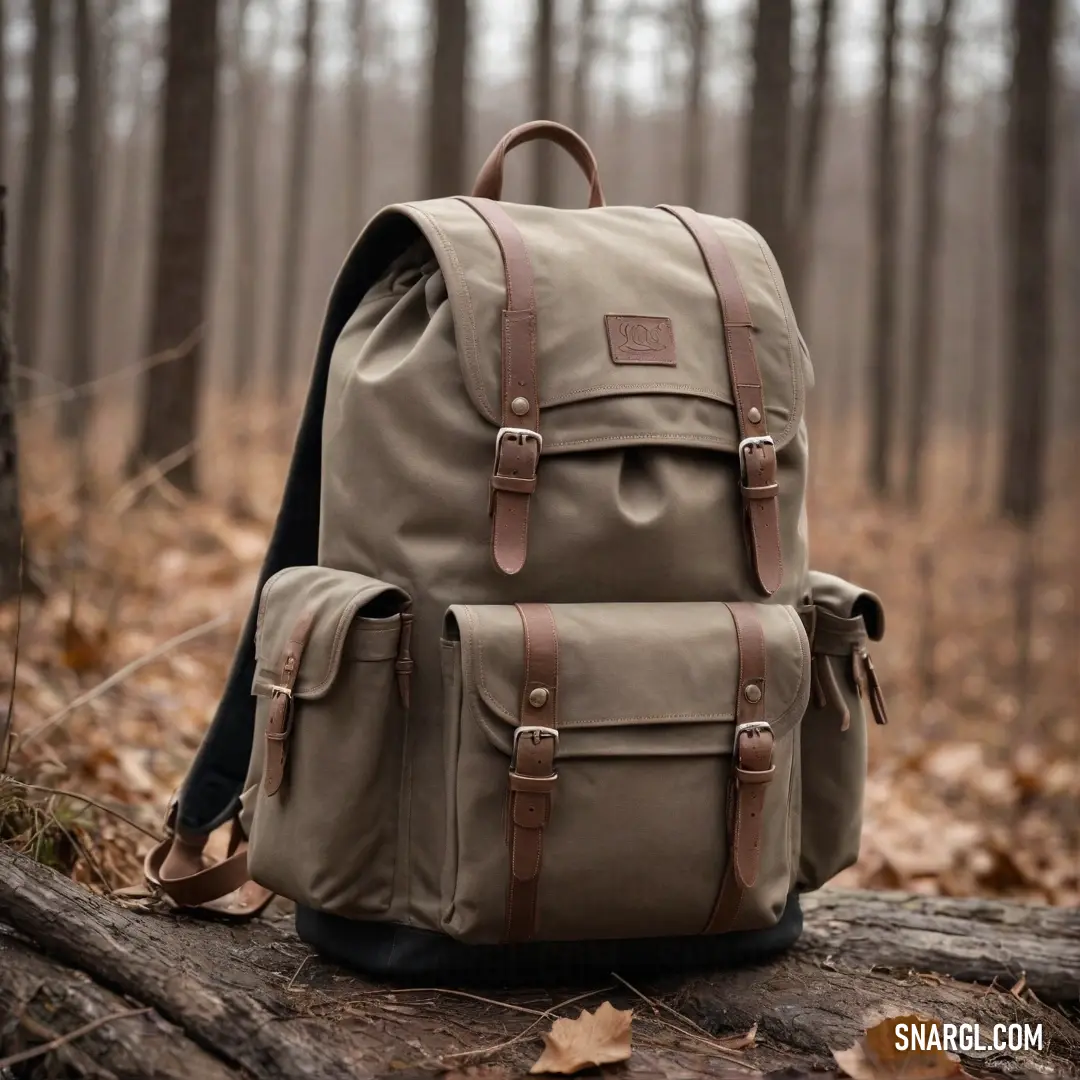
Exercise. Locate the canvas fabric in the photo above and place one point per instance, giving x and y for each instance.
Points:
(537, 656)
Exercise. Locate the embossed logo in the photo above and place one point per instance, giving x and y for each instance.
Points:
(640, 339)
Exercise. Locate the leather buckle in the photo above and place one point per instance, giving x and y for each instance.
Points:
(536, 733)
(524, 434)
(748, 444)
(751, 727)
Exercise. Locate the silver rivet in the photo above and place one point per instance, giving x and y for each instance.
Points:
(519, 406)
(754, 415)
(752, 692)
(538, 697)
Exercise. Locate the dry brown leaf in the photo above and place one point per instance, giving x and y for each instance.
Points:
(745, 1041)
(81, 651)
(598, 1038)
(875, 1056)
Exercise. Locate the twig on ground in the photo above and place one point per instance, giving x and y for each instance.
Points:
(9, 718)
(701, 1034)
(71, 1036)
(520, 1037)
(126, 671)
(91, 802)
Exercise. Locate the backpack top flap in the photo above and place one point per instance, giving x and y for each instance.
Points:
(626, 323)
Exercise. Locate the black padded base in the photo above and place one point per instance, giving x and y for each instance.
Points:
(401, 953)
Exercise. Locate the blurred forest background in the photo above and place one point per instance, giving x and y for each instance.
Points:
(184, 179)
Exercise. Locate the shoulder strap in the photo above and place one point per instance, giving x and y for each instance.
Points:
(210, 794)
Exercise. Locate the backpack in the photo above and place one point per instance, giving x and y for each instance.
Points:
(538, 680)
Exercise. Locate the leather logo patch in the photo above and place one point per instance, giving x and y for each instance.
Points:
(640, 339)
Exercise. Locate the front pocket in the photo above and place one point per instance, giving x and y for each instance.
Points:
(331, 679)
(591, 790)
(843, 620)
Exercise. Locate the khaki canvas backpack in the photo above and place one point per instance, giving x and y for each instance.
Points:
(538, 678)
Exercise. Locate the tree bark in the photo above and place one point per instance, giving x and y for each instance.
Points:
(694, 136)
(447, 125)
(809, 172)
(543, 186)
(10, 502)
(185, 187)
(259, 1000)
(41, 1000)
(34, 183)
(296, 199)
(768, 130)
(1029, 194)
(83, 163)
(883, 320)
(927, 291)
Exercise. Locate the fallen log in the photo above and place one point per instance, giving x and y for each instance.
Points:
(974, 940)
(261, 1002)
(41, 1001)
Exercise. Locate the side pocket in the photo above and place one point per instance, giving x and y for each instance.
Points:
(332, 686)
(841, 620)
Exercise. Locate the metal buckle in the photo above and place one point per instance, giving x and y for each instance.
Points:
(753, 440)
(275, 689)
(536, 733)
(524, 432)
(752, 726)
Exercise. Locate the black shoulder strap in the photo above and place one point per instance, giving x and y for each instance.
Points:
(210, 794)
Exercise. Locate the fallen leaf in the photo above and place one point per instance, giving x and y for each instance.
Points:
(1019, 986)
(875, 1055)
(81, 651)
(592, 1039)
(740, 1042)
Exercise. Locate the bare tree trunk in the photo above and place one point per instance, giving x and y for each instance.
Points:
(185, 188)
(768, 131)
(1029, 193)
(356, 114)
(447, 128)
(697, 32)
(296, 198)
(812, 141)
(544, 101)
(34, 180)
(883, 322)
(10, 503)
(583, 64)
(3, 93)
(981, 277)
(246, 195)
(82, 266)
(927, 294)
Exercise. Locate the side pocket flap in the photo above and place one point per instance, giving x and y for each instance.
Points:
(336, 601)
(848, 601)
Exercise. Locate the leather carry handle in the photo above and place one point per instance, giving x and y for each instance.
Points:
(489, 180)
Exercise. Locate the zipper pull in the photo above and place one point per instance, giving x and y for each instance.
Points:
(877, 698)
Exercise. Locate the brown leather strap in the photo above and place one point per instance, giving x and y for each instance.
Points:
(177, 867)
(532, 769)
(490, 178)
(751, 770)
(757, 459)
(279, 720)
(518, 443)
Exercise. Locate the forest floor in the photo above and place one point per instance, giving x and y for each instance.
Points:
(974, 785)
